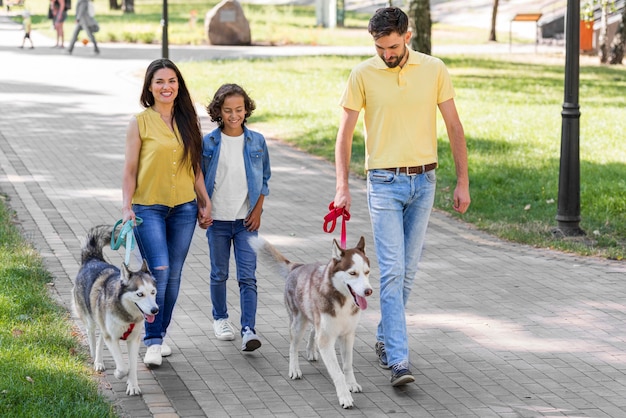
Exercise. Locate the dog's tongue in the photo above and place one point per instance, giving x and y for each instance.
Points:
(149, 318)
(361, 301)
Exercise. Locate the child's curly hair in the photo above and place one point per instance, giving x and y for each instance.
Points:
(215, 107)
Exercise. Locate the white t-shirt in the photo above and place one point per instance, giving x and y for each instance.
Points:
(230, 194)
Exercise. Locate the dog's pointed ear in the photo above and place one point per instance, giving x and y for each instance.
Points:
(361, 245)
(125, 273)
(337, 250)
(144, 267)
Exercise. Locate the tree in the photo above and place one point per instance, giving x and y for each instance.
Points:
(129, 6)
(619, 41)
(419, 18)
(494, 13)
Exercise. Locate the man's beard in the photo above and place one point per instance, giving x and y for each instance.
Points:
(397, 61)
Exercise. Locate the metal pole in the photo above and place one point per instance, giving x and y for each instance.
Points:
(164, 43)
(568, 212)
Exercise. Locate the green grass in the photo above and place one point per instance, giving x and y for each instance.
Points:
(511, 113)
(43, 369)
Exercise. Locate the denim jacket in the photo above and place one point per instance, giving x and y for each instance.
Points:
(255, 158)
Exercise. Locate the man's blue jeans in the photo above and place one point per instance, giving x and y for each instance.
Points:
(163, 239)
(220, 236)
(400, 206)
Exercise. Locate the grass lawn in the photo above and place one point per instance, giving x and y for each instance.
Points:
(43, 368)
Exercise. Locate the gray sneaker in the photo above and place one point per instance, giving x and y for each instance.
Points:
(250, 341)
(401, 375)
(382, 354)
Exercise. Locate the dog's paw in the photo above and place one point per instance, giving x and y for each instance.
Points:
(346, 401)
(132, 389)
(312, 355)
(120, 373)
(99, 367)
(295, 374)
(354, 387)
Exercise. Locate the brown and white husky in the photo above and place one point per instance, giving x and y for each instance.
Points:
(330, 297)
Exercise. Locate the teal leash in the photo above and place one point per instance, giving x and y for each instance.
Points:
(126, 238)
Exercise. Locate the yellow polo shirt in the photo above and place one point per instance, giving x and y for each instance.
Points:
(161, 179)
(400, 108)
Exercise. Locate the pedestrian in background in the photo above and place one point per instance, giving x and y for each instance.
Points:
(236, 167)
(163, 185)
(85, 20)
(59, 14)
(400, 91)
(27, 23)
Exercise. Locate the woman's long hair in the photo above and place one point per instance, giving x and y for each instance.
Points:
(184, 112)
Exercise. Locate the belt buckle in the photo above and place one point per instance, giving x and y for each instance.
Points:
(415, 173)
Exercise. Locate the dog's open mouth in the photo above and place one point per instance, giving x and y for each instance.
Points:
(359, 301)
(148, 317)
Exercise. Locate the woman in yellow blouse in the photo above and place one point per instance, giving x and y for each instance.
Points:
(164, 186)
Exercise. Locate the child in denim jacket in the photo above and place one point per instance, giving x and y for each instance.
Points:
(236, 168)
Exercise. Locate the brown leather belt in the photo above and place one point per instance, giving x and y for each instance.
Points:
(411, 171)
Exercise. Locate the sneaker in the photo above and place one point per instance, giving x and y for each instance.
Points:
(224, 331)
(153, 355)
(250, 341)
(382, 354)
(166, 350)
(401, 375)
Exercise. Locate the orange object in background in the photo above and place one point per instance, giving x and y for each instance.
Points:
(586, 35)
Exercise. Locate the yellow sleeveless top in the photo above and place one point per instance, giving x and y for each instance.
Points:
(162, 179)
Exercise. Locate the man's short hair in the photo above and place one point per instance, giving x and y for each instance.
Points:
(387, 21)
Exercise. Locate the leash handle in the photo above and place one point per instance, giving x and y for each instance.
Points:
(126, 237)
(330, 221)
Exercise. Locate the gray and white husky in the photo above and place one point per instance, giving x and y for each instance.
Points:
(330, 297)
(116, 302)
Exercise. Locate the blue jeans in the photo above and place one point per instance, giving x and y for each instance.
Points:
(399, 206)
(163, 239)
(220, 236)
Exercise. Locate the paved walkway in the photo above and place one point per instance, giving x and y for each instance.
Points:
(497, 330)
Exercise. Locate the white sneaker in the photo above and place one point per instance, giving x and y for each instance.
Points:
(153, 355)
(249, 341)
(224, 331)
(166, 350)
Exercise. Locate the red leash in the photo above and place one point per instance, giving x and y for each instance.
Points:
(330, 221)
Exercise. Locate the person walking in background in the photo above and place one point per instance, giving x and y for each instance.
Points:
(85, 20)
(59, 14)
(236, 168)
(27, 23)
(163, 185)
(400, 91)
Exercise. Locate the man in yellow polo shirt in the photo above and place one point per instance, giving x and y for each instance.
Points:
(400, 91)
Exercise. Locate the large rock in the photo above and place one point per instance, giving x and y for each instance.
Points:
(225, 24)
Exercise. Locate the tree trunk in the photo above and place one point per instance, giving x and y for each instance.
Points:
(419, 20)
(494, 13)
(129, 6)
(604, 28)
(619, 41)
(114, 5)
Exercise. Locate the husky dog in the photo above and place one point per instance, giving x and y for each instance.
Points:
(330, 297)
(115, 302)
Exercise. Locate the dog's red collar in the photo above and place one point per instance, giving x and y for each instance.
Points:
(128, 331)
